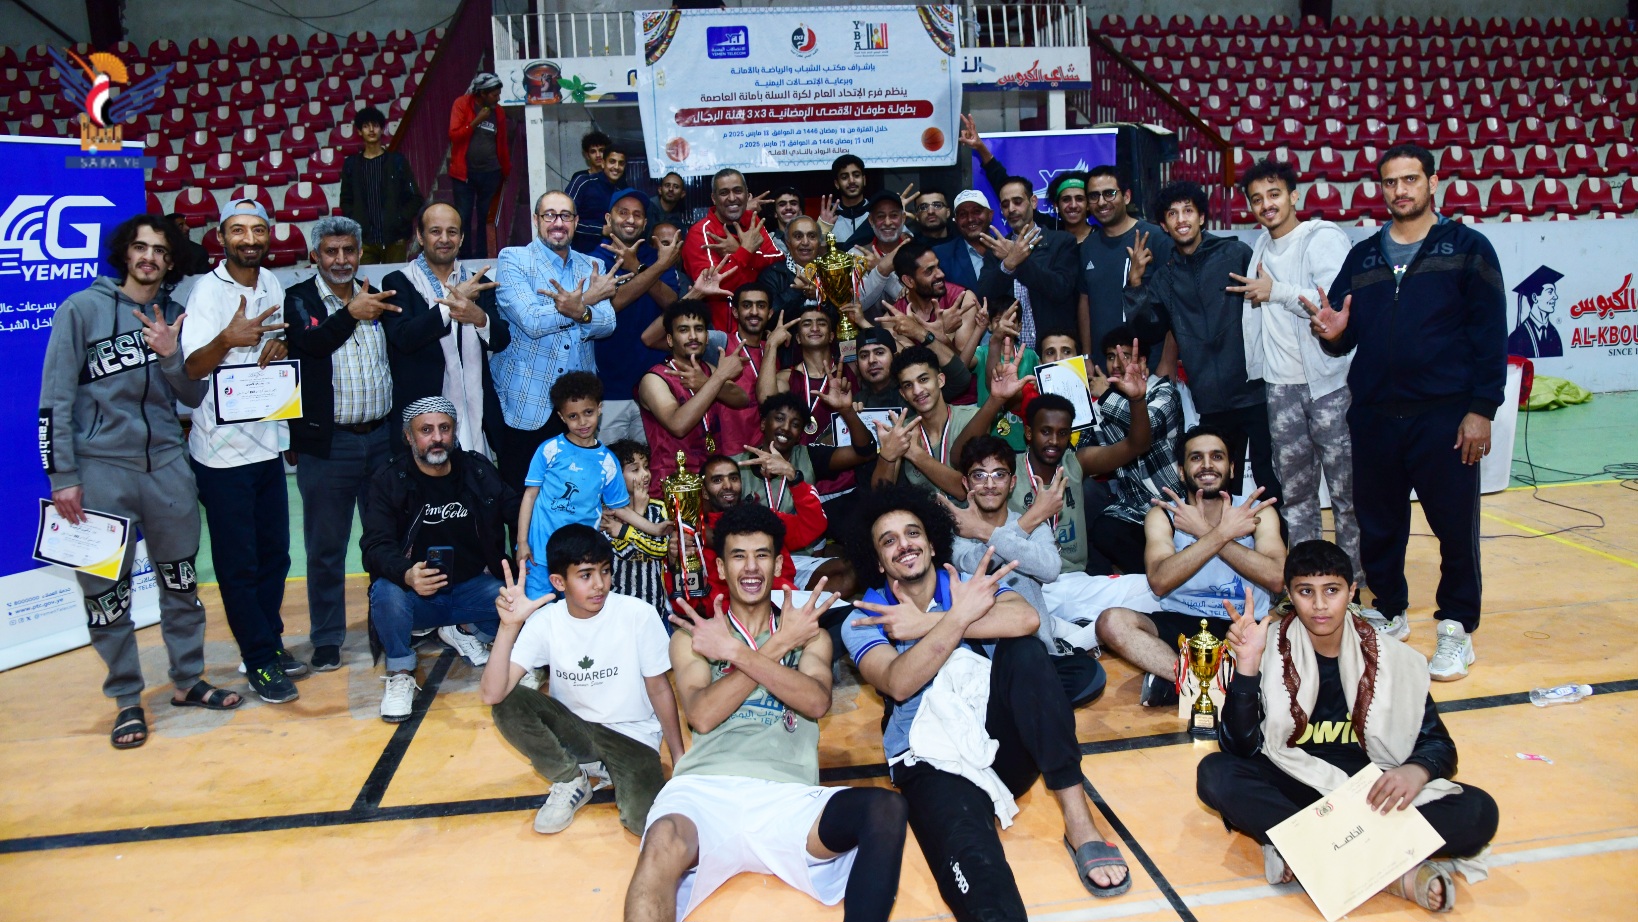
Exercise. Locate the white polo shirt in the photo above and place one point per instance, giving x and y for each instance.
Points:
(211, 307)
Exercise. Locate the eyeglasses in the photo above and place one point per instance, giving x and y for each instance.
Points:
(555, 217)
(933, 206)
(996, 476)
(1107, 195)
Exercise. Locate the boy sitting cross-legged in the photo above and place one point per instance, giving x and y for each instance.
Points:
(1317, 697)
(610, 700)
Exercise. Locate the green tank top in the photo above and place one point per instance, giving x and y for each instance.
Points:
(763, 739)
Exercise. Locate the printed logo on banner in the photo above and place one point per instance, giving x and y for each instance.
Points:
(93, 83)
(1617, 338)
(38, 243)
(1534, 334)
(869, 38)
(804, 41)
(727, 42)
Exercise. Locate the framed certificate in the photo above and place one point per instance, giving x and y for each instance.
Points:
(840, 435)
(1067, 378)
(251, 394)
(95, 546)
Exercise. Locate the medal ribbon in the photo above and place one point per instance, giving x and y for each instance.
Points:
(943, 440)
(813, 399)
(705, 419)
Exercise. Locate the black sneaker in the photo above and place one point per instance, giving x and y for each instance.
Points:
(326, 658)
(291, 666)
(272, 685)
(1157, 692)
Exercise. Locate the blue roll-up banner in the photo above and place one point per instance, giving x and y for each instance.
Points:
(58, 208)
(1038, 156)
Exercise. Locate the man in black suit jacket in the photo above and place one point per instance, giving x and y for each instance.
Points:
(958, 255)
(342, 436)
(447, 328)
(1037, 266)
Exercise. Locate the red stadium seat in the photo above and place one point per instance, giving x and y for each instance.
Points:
(1488, 131)
(1324, 201)
(286, 247)
(399, 106)
(376, 90)
(421, 60)
(243, 48)
(246, 95)
(322, 45)
(162, 52)
(223, 171)
(283, 47)
(299, 141)
(248, 144)
(402, 41)
(198, 206)
(1328, 165)
(315, 115)
(361, 43)
(1629, 198)
(345, 139)
(323, 167)
(1288, 132)
(1608, 130)
(1496, 27)
(169, 175)
(276, 168)
(1570, 131)
(269, 118)
(1506, 197)
(306, 68)
(433, 38)
(334, 91)
(1214, 25)
(220, 72)
(26, 103)
(304, 201)
(200, 97)
(1466, 26)
(1540, 160)
(265, 71)
(1551, 196)
(223, 120)
(1531, 131)
(1558, 26)
(1461, 197)
(1580, 160)
(1495, 160)
(1450, 131)
(173, 122)
(40, 125)
(1367, 200)
(1626, 105)
(203, 51)
(152, 203)
(1413, 131)
(1372, 131)
(199, 145)
(389, 64)
(1371, 106)
(290, 93)
(157, 145)
(347, 66)
(1621, 158)
(1595, 195)
(9, 57)
(1455, 163)
(14, 79)
(1559, 106)
(259, 193)
(1172, 46)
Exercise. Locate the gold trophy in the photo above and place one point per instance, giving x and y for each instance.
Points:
(1204, 654)
(836, 276)
(685, 505)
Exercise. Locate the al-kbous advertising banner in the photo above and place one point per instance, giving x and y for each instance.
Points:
(762, 90)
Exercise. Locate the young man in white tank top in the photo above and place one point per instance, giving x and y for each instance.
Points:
(1201, 549)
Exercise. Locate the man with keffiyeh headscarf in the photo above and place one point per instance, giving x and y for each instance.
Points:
(1318, 696)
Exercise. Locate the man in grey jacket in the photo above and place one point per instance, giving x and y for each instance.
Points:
(111, 442)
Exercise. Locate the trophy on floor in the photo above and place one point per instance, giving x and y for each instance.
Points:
(685, 505)
(1204, 655)
(836, 275)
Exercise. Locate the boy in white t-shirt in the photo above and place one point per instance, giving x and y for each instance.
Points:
(609, 700)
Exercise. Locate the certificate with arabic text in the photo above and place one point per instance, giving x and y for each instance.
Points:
(249, 393)
(1067, 378)
(95, 546)
(1343, 852)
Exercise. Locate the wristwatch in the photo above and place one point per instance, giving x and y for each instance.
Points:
(586, 317)
(928, 339)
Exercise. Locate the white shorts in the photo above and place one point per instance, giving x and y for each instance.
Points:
(748, 825)
(1078, 597)
(805, 568)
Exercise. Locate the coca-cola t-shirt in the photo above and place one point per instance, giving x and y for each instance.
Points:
(446, 520)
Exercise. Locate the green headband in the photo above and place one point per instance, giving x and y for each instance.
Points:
(1071, 184)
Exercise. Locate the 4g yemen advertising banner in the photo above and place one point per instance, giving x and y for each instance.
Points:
(58, 208)
(763, 90)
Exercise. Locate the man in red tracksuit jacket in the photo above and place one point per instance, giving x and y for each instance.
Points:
(729, 231)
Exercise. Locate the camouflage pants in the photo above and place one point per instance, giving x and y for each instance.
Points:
(1310, 437)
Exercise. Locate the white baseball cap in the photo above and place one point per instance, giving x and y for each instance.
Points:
(970, 195)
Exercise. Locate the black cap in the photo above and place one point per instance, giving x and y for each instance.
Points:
(878, 336)
(880, 197)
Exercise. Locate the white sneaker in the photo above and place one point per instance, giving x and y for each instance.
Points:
(599, 775)
(1397, 627)
(565, 799)
(1453, 654)
(530, 679)
(475, 650)
(398, 697)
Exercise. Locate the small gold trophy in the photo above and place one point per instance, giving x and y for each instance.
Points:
(836, 275)
(684, 503)
(1204, 654)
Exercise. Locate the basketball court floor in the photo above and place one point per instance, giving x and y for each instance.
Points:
(321, 810)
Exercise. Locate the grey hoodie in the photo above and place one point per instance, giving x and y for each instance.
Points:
(103, 393)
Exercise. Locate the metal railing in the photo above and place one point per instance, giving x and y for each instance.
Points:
(1023, 25)
(602, 34)
(1122, 92)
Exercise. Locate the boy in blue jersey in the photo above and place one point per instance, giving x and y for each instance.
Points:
(572, 477)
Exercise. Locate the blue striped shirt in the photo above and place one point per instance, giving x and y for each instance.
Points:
(545, 344)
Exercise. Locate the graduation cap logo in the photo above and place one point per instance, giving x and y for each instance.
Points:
(1533, 286)
(1537, 339)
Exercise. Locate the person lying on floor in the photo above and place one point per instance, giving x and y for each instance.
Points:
(1316, 698)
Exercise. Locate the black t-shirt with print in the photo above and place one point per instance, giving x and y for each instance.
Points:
(1330, 731)
(446, 520)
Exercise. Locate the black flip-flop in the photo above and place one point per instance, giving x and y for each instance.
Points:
(1094, 855)
(127, 721)
(207, 696)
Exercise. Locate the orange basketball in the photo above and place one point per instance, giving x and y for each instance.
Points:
(933, 139)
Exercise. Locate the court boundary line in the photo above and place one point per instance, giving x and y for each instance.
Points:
(360, 815)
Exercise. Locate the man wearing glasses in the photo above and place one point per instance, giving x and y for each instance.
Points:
(1105, 253)
(932, 214)
(556, 301)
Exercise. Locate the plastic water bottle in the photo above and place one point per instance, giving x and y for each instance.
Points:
(1559, 694)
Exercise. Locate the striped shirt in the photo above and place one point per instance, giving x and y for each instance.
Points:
(1143, 478)
(545, 344)
(358, 370)
(639, 562)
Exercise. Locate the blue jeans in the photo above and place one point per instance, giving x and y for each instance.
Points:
(247, 512)
(472, 198)
(397, 611)
(331, 488)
